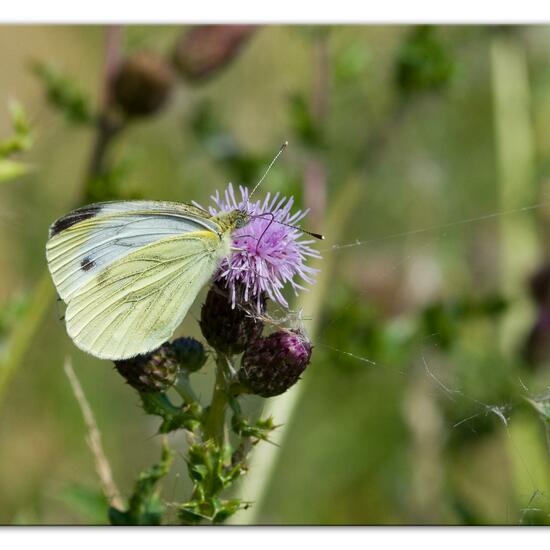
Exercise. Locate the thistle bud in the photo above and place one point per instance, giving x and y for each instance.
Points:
(203, 51)
(226, 328)
(189, 353)
(540, 285)
(153, 372)
(536, 349)
(142, 84)
(271, 365)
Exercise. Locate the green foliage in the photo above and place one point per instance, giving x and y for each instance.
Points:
(64, 94)
(19, 142)
(305, 127)
(542, 406)
(442, 320)
(108, 185)
(11, 170)
(145, 506)
(188, 416)
(260, 429)
(89, 503)
(222, 145)
(350, 63)
(242, 166)
(11, 312)
(423, 64)
(206, 464)
(22, 139)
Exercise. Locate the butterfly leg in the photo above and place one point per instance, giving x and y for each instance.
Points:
(60, 316)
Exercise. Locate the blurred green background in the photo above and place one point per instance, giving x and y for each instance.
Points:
(427, 150)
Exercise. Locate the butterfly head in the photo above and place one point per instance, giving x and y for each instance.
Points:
(235, 219)
(242, 218)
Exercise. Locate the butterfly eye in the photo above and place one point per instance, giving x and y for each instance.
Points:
(242, 219)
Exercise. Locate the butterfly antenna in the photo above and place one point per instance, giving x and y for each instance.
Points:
(273, 220)
(283, 147)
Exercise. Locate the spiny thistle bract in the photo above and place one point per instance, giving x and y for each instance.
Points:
(153, 372)
(189, 353)
(272, 365)
(229, 330)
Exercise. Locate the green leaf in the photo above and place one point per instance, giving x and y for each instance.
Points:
(64, 94)
(173, 418)
(259, 430)
(225, 509)
(11, 170)
(190, 514)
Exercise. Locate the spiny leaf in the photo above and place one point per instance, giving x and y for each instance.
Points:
(173, 418)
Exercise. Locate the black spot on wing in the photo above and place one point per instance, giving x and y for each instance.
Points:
(87, 263)
(74, 217)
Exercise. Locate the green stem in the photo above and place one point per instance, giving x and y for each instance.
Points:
(214, 427)
(184, 389)
(23, 333)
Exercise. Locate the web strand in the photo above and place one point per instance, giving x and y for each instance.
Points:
(531, 207)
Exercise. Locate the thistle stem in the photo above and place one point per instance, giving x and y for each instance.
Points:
(214, 427)
(184, 389)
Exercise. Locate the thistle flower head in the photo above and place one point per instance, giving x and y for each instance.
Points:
(270, 255)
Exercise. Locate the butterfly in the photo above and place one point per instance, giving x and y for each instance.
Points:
(130, 270)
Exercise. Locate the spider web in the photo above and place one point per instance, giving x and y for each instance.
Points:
(534, 502)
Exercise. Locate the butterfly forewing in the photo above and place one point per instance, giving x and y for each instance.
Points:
(88, 239)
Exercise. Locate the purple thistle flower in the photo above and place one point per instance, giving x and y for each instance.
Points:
(271, 254)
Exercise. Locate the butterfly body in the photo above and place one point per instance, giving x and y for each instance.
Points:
(129, 271)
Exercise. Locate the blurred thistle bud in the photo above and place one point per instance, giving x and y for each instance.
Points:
(189, 353)
(536, 349)
(423, 63)
(153, 372)
(203, 51)
(142, 84)
(271, 365)
(539, 285)
(228, 329)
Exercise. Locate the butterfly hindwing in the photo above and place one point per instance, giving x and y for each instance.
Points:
(136, 303)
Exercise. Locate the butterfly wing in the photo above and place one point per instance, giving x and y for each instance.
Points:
(135, 304)
(129, 271)
(88, 239)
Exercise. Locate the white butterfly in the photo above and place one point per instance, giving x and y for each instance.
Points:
(129, 271)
